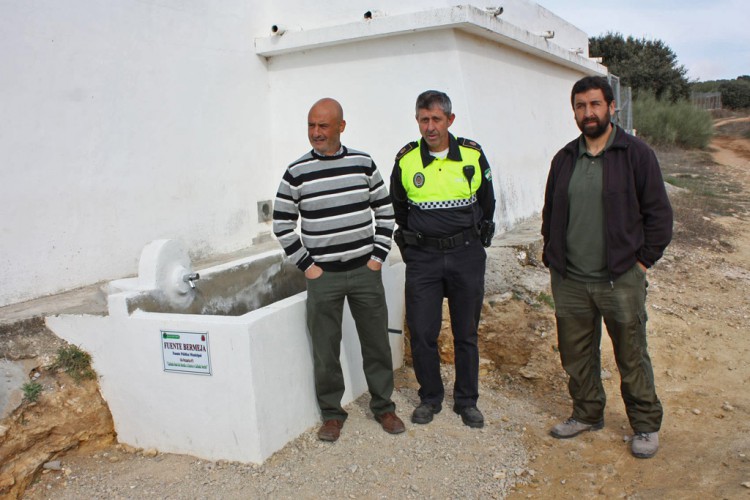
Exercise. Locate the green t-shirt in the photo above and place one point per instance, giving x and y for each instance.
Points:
(586, 246)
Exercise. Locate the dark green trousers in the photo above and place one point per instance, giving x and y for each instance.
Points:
(579, 310)
(363, 290)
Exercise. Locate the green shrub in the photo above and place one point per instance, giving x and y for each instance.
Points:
(671, 124)
(31, 391)
(735, 94)
(75, 363)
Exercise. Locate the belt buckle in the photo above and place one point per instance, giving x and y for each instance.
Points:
(445, 243)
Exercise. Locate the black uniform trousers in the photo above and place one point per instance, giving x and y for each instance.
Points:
(458, 275)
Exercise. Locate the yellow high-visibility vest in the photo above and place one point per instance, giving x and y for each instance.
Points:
(442, 184)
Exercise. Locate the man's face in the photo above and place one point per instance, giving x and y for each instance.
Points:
(592, 113)
(433, 125)
(324, 128)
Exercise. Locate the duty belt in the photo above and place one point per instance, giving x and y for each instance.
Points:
(458, 239)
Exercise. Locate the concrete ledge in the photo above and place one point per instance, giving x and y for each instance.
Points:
(464, 18)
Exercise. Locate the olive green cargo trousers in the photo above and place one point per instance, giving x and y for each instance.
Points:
(363, 290)
(579, 310)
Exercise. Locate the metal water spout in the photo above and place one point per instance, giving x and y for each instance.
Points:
(165, 266)
(191, 278)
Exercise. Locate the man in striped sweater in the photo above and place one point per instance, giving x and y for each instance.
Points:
(335, 191)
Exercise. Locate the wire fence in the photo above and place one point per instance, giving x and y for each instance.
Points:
(623, 104)
(706, 100)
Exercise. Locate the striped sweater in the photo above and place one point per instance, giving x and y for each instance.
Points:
(335, 197)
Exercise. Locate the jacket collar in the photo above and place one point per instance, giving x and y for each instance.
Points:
(454, 153)
(620, 141)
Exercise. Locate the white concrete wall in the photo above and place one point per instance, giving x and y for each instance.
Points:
(520, 113)
(376, 82)
(124, 122)
(515, 105)
(129, 122)
(537, 19)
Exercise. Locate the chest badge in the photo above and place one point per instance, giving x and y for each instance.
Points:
(418, 179)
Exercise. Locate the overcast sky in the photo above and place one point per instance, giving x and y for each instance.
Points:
(711, 38)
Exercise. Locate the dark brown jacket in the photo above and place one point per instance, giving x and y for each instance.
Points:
(637, 211)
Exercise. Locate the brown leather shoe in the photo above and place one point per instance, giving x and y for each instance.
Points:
(330, 430)
(391, 423)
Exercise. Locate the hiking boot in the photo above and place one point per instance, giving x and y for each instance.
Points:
(572, 427)
(644, 444)
(470, 415)
(424, 412)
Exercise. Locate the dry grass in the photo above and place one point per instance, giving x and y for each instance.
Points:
(708, 194)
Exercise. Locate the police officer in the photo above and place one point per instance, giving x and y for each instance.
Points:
(441, 188)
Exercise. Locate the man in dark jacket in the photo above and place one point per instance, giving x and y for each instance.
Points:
(606, 220)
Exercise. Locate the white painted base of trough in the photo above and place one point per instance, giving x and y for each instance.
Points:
(260, 391)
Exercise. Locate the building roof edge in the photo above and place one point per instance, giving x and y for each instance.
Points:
(465, 18)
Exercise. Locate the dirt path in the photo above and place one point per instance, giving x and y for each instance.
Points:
(699, 311)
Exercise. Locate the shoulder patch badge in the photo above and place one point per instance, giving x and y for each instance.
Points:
(405, 150)
(469, 143)
(418, 179)
(488, 174)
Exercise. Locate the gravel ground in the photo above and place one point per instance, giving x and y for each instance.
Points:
(444, 459)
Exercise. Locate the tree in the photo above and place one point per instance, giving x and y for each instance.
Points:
(644, 65)
(735, 94)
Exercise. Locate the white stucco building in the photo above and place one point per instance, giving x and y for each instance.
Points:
(125, 122)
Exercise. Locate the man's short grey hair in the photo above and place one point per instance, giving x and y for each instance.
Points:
(431, 98)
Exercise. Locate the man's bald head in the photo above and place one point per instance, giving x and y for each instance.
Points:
(330, 105)
(325, 123)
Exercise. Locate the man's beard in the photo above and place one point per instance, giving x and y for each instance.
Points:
(595, 132)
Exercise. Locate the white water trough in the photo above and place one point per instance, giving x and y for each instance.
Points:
(223, 371)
